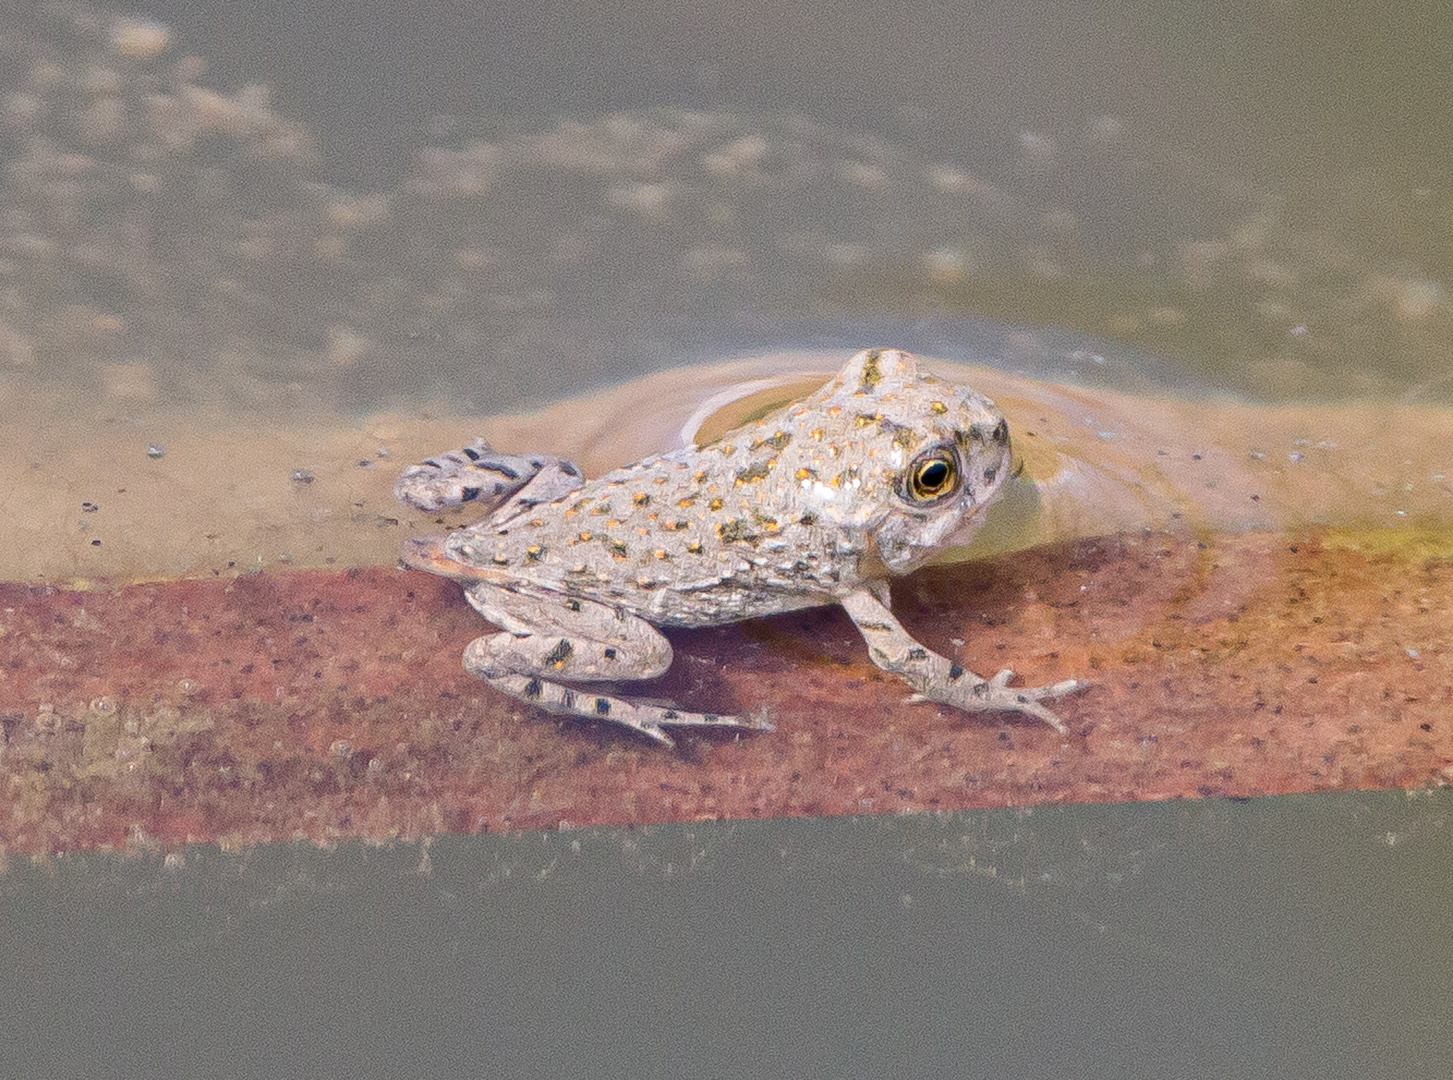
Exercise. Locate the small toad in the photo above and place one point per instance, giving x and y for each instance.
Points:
(822, 502)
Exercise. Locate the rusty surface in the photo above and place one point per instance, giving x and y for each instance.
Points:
(321, 705)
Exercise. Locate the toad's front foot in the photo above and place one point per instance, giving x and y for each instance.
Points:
(937, 678)
(996, 695)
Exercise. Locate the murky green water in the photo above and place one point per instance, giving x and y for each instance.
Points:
(475, 211)
(563, 204)
(1298, 937)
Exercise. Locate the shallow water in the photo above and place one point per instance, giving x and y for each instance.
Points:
(215, 299)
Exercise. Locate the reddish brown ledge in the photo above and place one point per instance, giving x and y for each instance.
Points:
(326, 705)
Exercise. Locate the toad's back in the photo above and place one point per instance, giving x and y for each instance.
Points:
(788, 512)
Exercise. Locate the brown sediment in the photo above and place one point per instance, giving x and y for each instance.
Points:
(321, 705)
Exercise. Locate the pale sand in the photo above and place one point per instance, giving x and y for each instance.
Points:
(223, 498)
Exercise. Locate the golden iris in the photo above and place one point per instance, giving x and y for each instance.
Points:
(933, 475)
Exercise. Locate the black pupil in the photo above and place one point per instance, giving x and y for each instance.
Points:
(933, 476)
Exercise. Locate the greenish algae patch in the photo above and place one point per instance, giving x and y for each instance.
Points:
(1428, 540)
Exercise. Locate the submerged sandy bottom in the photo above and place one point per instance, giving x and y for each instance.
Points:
(1257, 595)
(321, 705)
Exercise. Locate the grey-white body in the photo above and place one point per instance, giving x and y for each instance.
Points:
(821, 502)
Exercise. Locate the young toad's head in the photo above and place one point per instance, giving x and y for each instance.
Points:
(909, 460)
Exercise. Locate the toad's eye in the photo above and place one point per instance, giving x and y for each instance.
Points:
(933, 475)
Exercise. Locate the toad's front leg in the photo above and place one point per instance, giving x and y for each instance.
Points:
(548, 641)
(936, 678)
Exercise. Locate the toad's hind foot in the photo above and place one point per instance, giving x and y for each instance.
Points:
(478, 473)
(650, 720)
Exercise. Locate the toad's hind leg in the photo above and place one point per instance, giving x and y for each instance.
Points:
(533, 668)
(478, 473)
(650, 720)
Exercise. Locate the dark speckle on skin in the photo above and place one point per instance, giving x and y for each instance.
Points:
(872, 371)
(752, 473)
